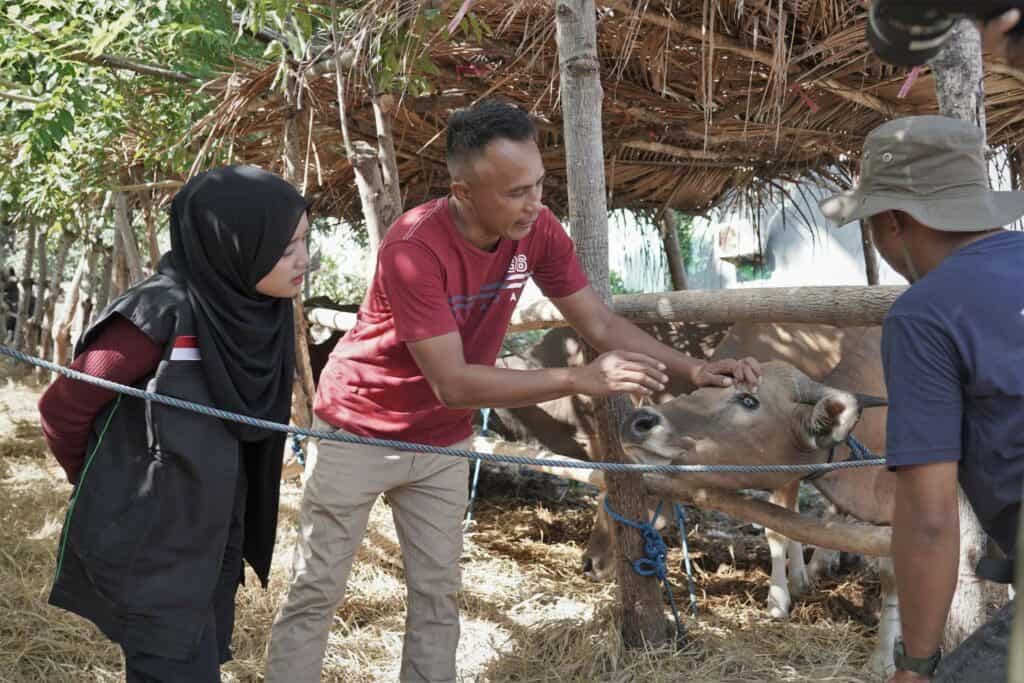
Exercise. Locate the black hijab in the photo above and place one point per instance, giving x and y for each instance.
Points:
(229, 228)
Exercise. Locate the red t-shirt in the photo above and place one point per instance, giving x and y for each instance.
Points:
(431, 281)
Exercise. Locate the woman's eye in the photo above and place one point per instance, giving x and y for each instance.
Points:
(749, 401)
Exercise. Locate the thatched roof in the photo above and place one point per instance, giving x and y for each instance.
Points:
(700, 99)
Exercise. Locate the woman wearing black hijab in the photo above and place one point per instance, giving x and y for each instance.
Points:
(167, 502)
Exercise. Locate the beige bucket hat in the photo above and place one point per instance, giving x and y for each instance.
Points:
(931, 167)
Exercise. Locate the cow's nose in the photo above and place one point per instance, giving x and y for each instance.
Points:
(643, 422)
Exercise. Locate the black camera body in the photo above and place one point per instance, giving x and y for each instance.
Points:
(910, 32)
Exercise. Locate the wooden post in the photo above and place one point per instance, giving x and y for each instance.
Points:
(839, 306)
(302, 386)
(668, 226)
(642, 617)
(25, 286)
(959, 87)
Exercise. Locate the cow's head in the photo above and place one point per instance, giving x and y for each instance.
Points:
(788, 419)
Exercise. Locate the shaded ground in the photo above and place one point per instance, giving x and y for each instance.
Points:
(528, 614)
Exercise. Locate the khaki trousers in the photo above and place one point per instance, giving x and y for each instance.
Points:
(428, 495)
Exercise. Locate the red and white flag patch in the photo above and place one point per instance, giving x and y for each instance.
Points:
(185, 348)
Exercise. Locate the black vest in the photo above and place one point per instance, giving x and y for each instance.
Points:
(146, 527)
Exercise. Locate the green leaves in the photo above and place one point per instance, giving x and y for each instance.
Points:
(73, 127)
(109, 31)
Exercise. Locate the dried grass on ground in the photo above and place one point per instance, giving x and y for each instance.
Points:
(528, 615)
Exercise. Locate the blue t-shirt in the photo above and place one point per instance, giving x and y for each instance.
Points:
(953, 353)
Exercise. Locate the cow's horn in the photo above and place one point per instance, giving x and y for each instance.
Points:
(868, 401)
(808, 391)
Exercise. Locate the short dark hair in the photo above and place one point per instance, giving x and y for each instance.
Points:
(471, 129)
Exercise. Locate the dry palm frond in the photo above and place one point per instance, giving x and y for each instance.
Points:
(703, 99)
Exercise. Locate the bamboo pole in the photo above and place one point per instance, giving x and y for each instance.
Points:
(855, 537)
(839, 306)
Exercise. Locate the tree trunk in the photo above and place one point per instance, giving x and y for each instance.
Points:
(100, 290)
(128, 244)
(35, 323)
(118, 281)
(391, 207)
(302, 386)
(958, 76)
(52, 294)
(25, 287)
(959, 86)
(372, 195)
(669, 228)
(4, 309)
(870, 255)
(62, 325)
(365, 160)
(99, 278)
(151, 241)
(642, 616)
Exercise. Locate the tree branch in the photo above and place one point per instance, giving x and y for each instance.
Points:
(21, 98)
(114, 62)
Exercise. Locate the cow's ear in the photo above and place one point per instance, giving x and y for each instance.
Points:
(832, 419)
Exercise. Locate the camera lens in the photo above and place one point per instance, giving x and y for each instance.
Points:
(907, 38)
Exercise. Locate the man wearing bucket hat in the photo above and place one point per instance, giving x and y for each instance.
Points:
(953, 354)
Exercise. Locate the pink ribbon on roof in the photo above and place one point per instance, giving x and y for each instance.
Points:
(909, 83)
(799, 90)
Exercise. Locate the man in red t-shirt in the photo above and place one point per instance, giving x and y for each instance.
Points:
(420, 360)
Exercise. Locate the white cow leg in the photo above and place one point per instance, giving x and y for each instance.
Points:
(888, 620)
(778, 591)
(779, 599)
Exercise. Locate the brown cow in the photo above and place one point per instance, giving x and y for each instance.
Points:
(843, 358)
(789, 419)
(567, 425)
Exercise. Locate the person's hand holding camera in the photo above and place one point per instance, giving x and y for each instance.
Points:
(912, 32)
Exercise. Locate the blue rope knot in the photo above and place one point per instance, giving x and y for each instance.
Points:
(653, 562)
(655, 552)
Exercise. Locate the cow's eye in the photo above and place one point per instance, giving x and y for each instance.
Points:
(748, 401)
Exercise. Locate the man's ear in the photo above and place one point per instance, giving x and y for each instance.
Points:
(459, 189)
